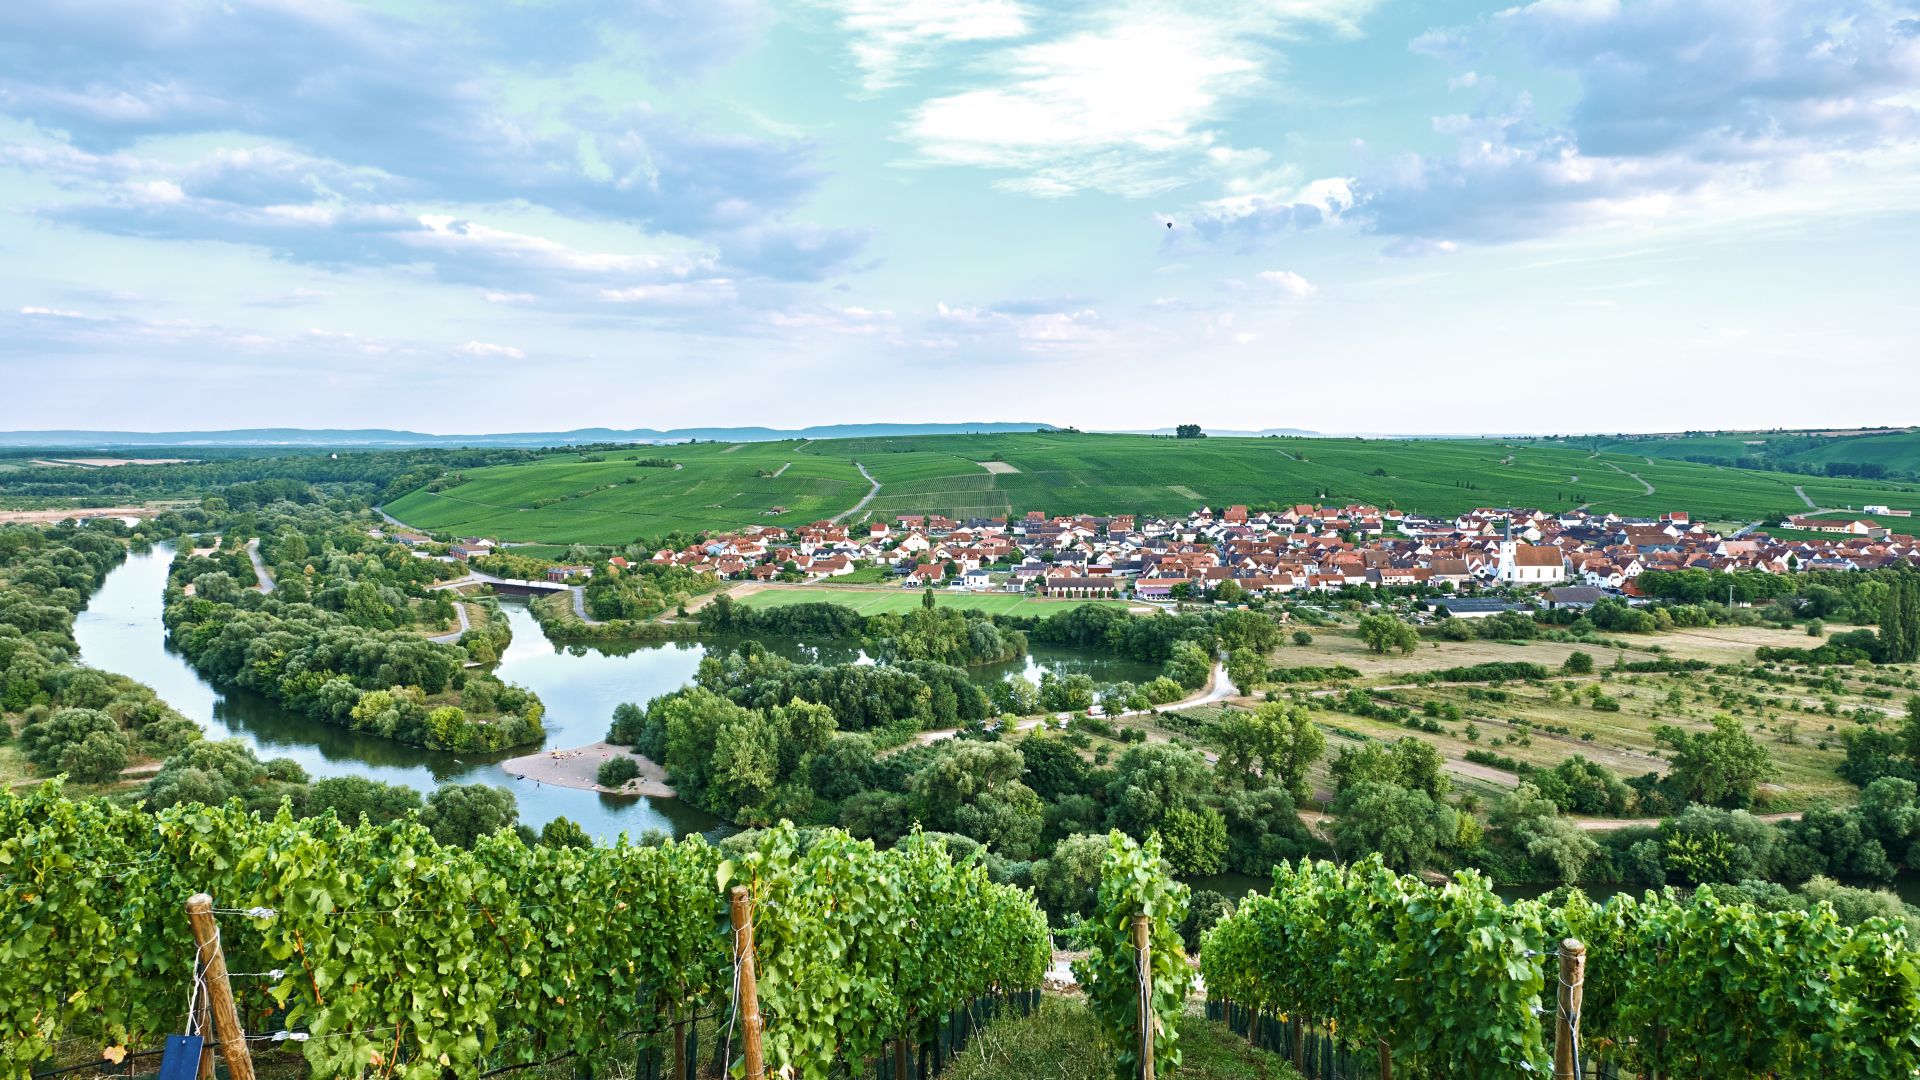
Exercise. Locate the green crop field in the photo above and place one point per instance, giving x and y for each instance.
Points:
(1896, 452)
(896, 601)
(567, 498)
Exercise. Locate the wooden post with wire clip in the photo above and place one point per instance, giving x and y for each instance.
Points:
(210, 959)
(1566, 1021)
(740, 909)
(1143, 957)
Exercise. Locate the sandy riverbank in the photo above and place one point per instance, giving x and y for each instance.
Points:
(577, 768)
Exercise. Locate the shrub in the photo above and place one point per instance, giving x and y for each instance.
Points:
(615, 772)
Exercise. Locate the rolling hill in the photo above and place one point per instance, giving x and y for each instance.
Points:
(1896, 451)
(610, 498)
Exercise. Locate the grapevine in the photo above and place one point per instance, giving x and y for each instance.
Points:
(1136, 880)
(413, 959)
(1456, 982)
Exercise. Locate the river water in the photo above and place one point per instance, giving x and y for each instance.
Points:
(120, 631)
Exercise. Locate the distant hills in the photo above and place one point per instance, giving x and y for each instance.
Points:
(1230, 432)
(386, 437)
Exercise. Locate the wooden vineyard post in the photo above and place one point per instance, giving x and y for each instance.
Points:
(210, 959)
(741, 910)
(1386, 1061)
(1566, 1023)
(1143, 957)
(680, 1051)
(203, 1021)
(900, 1054)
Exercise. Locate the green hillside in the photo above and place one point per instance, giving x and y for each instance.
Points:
(1896, 452)
(574, 497)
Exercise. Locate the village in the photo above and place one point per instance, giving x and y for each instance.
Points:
(1579, 557)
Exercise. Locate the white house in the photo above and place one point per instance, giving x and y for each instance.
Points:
(1531, 564)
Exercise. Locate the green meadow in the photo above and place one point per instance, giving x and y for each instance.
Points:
(609, 498)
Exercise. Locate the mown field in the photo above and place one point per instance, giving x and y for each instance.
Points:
(896, 601)
(570, 498)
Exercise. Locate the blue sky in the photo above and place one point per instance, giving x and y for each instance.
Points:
(1341, 215)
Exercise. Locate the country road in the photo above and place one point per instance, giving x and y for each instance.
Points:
(259, 565)
(862, 504)
(460, 609)
(580, 604)
(1802, 492)
(1636, 476)
(1219, 688)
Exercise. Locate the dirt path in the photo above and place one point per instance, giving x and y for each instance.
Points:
(1635, 476)
(48, 517)
(259, 565)
(1802, 492)
(1611, 824)
(578, 768)
(778, 471)
(862, 504)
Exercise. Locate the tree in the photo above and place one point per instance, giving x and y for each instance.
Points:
(616, 771)
(459, 814)
(1278, 740)
(1067, 881)
(1196, 840)
(1578, 663)
(1152, 780)
(845, 767)
(564, 833)
(1229, 592)
(926, 599)
(1407, 828)
(1246, 669)
(1558, 849)
(1722, 767)
(1408, 763)
(1382, 632)
(354, 797)
(1188, 431)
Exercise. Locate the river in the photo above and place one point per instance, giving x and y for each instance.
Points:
(121, 631)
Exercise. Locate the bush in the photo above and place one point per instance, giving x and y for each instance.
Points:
(1302, 637)
(1579, 663)
(615, 772)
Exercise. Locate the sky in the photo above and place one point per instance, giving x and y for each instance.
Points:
(1335, 215)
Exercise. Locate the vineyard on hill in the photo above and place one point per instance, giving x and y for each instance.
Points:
(617, 495)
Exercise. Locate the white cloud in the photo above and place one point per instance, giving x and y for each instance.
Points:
(1288, 283)
(1029, 329)
(705, 293)
(55, 313)
(492, 296)
(1129, 104)
(893, 38)
(489, 351)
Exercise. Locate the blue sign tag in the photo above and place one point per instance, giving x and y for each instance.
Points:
(182, 1058)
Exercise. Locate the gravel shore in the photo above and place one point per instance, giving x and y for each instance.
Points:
(578, 767)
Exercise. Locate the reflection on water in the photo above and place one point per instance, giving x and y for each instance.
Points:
(121, 631)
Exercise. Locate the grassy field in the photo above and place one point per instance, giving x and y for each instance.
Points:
(1539, 724)
(895, 601)
(1062, 1041)
(574, 498)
